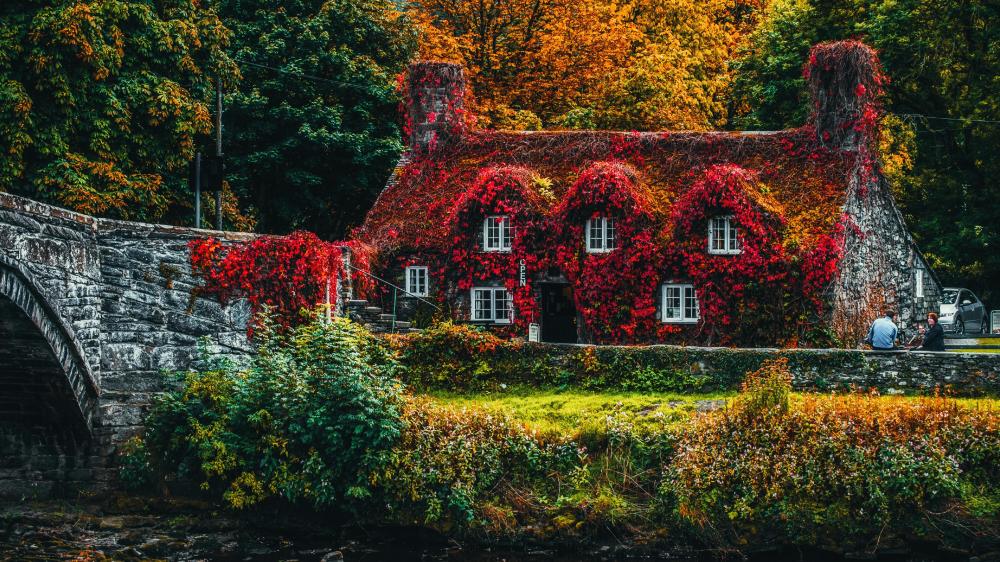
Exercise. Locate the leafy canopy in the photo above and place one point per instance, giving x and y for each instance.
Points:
(102, 103)
(942, 169)
(312, 130)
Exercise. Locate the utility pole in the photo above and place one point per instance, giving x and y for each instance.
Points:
(197, 190)
(218, 152)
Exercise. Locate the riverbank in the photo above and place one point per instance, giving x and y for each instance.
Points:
(142, 528)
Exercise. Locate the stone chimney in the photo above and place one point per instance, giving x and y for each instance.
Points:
(845, 81)
(435, 111)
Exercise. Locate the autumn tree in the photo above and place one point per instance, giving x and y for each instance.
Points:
(676, 74)
(636, 64)
(529, 61)
(102, 103)
(944, 59)
(312, 130)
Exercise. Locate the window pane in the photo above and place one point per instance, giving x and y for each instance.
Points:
(690, 304)
(492, 234)
(672, 302)
(717, 234)
(609, 234)
(502, 304)
(482, 308)
(507, 236)
(734, 242)
(594, 234)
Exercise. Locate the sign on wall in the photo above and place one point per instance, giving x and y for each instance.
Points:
(534, 333)
(522, 273)
(995, 321)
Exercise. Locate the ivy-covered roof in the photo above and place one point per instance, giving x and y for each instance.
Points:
(799, 177)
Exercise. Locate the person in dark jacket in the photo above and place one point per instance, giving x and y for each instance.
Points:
(934, 337)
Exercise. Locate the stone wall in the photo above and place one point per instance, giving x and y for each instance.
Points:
(669, 368)
(92, 314)
(881, 262)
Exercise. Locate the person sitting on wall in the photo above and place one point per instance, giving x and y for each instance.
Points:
(882, 334)
(934, 336)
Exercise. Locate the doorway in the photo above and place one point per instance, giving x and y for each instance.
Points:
(558, 313)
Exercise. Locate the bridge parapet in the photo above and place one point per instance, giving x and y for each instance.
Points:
(126, 297)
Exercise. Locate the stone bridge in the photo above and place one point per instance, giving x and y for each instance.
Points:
(92, 313)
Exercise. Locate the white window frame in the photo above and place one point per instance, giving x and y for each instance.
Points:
(726, 225)
(417, 281)
(606, 240)
(918, 281)
(685, 291)
(504, 234)
(478, 314)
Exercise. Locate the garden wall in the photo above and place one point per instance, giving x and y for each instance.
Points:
(460, 359)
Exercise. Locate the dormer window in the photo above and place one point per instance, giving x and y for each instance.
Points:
(600, 233)
(497, 234)
(416, 280)
(723, 236)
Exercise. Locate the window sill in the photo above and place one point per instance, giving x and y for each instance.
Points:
(725, 252)
(694, 321)
(601, 251)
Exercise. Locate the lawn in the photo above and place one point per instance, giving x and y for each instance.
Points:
(572, 411)
(568, 411)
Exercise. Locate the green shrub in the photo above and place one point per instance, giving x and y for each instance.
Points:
(316, 413)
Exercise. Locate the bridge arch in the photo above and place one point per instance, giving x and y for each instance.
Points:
(44, 373)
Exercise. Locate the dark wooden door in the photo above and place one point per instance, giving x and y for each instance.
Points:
(558, 313)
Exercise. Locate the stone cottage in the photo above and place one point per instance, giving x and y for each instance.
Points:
(752, 238)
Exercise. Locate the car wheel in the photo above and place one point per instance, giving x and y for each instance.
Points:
(959, 327)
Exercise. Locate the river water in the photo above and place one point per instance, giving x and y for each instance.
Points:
(134, 529)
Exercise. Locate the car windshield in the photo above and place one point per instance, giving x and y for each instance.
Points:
(948, 296)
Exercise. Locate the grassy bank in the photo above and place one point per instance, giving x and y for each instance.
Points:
(570, 413)
(320, 419)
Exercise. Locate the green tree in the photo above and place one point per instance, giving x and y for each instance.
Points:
(102, 103)
(943, 57)
(312, 133)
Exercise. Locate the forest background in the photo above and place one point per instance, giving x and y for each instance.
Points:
(103, 103)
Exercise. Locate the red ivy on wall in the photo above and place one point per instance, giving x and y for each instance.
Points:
(503, 191)
(615, 292)
(285, 273)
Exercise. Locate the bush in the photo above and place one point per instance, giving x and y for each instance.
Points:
(456, 468)
(314, 415)
(845, 472)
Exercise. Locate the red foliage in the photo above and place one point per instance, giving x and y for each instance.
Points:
(497, 191)
(786, 191)
(615, 292)
(286, 273)
(847, 83)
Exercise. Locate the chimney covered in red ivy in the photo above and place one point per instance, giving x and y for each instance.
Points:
(435, 112)
(846, 83)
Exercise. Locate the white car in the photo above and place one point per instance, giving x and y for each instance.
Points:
(962, 312)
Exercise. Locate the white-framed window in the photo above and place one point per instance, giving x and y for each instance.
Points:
(497, 234)
(918, 281)
(416, 280)
(680, 303)
(600, 234)
(492, 304)
(723, 236)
